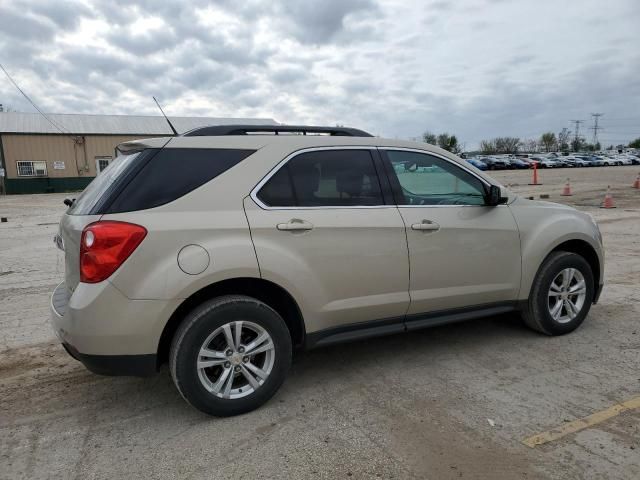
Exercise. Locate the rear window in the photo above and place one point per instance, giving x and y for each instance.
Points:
(172, 173)
(106, 181)
(153, 177)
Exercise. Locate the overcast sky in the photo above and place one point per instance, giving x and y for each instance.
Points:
(476, 68)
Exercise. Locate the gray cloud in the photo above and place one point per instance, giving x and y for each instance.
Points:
(394, 68)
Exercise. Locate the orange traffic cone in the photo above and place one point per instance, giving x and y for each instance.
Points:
(608, 199)
(566, 191)
(636, 184)
(535, 174)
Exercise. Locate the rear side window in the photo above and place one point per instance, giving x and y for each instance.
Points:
(325, 178)
(172, 173)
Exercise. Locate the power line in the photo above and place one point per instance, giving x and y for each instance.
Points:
(55, 125)
(595, 127)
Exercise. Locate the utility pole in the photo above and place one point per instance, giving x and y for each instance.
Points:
(576, 137)
(595, 127)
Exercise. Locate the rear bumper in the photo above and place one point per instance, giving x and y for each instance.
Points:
(129, 365)
(108, 332)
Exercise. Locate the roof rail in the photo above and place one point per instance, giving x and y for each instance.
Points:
(222, 130)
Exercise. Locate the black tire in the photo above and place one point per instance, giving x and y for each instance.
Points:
(201, 322)
(536, 314)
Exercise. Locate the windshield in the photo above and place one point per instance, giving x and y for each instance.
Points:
(97, 188)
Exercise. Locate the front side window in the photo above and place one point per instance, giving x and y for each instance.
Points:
(427, 180)
(325, 178)
(31, 169)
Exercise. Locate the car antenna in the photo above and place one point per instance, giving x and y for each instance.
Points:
(165, 116)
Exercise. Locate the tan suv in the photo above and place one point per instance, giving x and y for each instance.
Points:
(223, 249)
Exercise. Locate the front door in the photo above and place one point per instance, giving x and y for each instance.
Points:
(462, 253)
(323, 230)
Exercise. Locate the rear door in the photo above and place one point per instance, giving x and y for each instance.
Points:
(323, 229)
(462, 253)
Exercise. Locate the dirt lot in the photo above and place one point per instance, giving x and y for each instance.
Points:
(450, 402)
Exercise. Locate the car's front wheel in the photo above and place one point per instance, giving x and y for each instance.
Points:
(230, 355)
(561, 294)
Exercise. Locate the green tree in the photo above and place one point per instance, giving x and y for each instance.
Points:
(448, 142)
(428, 137)
(578, 145)
(548, 141)
(635, 143)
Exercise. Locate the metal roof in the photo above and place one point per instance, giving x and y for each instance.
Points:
(81, 124)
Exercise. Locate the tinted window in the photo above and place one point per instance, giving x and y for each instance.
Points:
(325, 178)
(278, 190)
(99, 187)
(428, 180)
(172, 173)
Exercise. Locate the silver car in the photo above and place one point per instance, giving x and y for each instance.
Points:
(222, 250)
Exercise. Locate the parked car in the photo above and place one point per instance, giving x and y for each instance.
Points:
(624, 160)
(562, 161)
(479, 164)
(575, 161)
(544, 162)
(612, 159)
(220, 251)
(519, 163)
(588, 160)
(495, 163)
(600, 161)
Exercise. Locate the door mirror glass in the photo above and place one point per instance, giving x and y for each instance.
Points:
(494, 196)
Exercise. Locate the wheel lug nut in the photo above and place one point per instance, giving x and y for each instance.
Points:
(228, 353)
(241, 349)
(245, 359)
(227, 364)
(237, 368)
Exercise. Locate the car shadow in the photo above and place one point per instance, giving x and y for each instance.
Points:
(62, 387)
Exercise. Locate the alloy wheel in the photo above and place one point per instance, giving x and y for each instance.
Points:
(567, 294)
(236, 359)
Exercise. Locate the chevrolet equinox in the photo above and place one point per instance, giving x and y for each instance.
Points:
(221, 250)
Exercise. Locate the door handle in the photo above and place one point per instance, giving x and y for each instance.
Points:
(426, 225)
(295, 225)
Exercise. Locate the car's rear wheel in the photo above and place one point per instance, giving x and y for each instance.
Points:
(561, 294)
(230, 355)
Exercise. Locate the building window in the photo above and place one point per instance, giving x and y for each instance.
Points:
(102, 163)
(32, 169)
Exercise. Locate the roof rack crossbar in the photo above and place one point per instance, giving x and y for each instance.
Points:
(223, 130)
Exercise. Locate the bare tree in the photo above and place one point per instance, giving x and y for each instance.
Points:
(563, 139)
(488, 147)
(507, 144)
(529, 145)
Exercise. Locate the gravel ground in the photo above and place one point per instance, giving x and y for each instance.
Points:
(450, 402)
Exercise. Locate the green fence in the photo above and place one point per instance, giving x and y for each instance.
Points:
(45, 184)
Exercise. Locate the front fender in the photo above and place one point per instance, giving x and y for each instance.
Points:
(544, 226)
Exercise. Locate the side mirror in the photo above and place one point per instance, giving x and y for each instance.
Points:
(494, 196)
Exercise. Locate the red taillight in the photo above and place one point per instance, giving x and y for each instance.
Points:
(104, 246)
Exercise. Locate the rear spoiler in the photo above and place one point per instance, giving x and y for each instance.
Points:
(127, 148)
